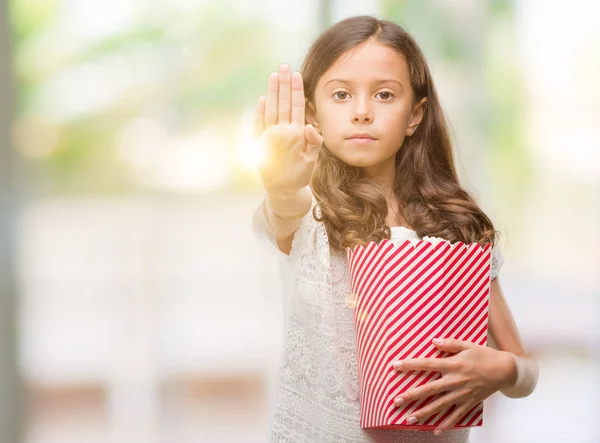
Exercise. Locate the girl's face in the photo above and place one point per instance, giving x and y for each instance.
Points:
(365, 106)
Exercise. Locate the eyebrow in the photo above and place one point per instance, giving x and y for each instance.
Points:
(377, 82)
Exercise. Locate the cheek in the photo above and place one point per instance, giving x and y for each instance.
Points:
(394, 126)
(394, 117)
(334, 123)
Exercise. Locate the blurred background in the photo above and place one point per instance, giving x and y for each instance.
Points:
(136, 305)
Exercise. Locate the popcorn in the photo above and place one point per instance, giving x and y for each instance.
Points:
(434, 240)
(414, 241)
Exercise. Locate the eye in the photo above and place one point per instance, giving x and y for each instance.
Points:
(386, 95)
(335, 95)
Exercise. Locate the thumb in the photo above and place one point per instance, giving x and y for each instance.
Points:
(314, 140)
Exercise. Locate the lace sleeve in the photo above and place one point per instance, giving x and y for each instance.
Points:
(263, 233)
(304, 238)
(497, 261)
(310, 248)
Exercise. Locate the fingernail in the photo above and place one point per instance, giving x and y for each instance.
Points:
(438, 341)
(437, 432)
(412, 420)
(399, 401)
(398, 364)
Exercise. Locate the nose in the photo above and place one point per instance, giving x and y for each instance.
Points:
(362, 112)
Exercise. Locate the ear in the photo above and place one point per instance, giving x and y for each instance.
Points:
(416, 117)
(311, 116)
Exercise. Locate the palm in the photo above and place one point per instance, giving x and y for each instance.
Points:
(290, 146)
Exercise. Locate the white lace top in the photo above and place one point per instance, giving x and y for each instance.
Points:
(316, 398)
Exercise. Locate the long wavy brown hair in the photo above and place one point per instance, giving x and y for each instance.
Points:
(430, 197)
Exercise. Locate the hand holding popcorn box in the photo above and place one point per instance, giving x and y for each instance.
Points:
(407, 293)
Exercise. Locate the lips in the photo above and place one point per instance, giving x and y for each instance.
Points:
(362, 136)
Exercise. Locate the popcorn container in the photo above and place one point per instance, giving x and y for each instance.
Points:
(406, 293)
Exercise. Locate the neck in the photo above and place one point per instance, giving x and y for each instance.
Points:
(384, 175)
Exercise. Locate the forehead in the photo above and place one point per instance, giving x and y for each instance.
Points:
(368, 62)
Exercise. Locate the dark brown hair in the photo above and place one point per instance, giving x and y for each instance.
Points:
(431, 199)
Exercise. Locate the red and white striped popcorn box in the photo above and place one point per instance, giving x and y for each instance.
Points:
(406, 293)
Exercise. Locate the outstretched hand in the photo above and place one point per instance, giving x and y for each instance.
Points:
(290, 145)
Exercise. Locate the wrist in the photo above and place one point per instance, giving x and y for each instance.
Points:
(285, 195)
(289, 205)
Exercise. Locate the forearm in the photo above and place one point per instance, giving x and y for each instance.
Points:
(284, 212)
(524, 377)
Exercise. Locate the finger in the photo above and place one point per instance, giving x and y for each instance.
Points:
(259, 116)
(297, 99)
(443, 402)
(314, 141)
(271, 101)
(284, 111)
(428, 389)
(453, 418)
(424, 364)
(453, 345)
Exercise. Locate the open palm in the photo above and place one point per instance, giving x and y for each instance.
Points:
(290, 145)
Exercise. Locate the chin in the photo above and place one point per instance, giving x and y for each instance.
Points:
(360, 162)
(362, 156)
(363, 160)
